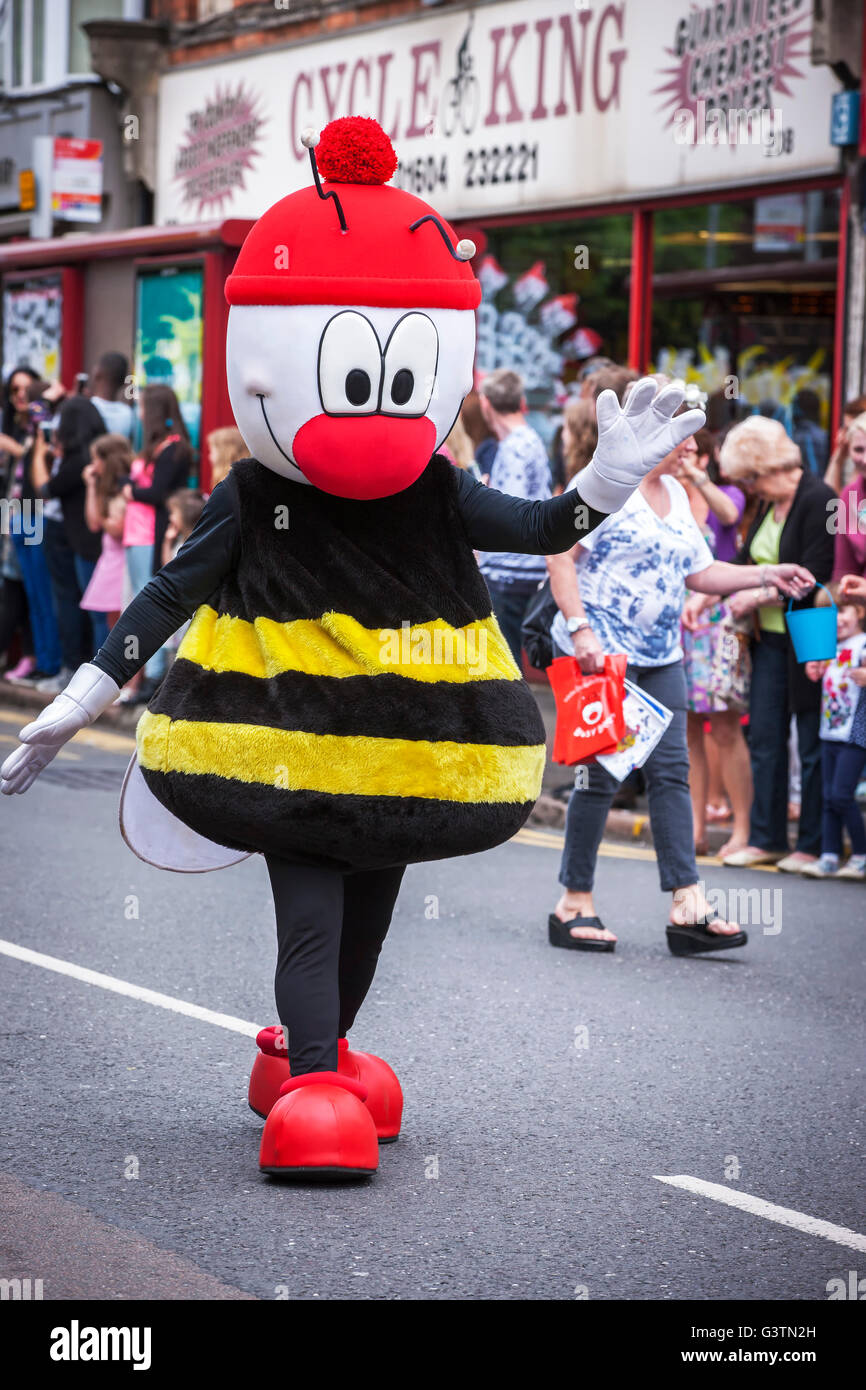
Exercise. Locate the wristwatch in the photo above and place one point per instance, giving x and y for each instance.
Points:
(577, 624)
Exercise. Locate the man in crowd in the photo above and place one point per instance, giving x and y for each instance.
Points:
(105, 385)
(520, 468)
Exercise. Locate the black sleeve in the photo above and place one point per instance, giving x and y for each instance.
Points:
(177, 590)
(496, 521)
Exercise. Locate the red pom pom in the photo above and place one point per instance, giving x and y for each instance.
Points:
(355, 149)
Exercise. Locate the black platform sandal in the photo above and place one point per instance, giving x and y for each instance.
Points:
(692, 940)
(559, 934)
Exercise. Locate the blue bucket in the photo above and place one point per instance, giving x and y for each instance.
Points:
(813, 632)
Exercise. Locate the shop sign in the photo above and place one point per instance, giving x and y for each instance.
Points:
(76, 181)
(780, 222)
(26, 190)
(525, 103)
(845, 118)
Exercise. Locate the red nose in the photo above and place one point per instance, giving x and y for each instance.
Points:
(364, 456)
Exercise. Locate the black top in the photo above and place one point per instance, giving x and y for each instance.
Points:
(170, 471)
(79, 424)
(493, 521)
(805, 540)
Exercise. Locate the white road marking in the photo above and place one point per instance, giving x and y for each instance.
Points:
(756, 1206)
(148, 996)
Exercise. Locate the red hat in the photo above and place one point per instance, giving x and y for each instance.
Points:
(299, 253)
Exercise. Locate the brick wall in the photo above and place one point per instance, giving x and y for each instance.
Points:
(215, 39)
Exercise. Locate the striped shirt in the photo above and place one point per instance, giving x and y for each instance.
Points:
(521, 469)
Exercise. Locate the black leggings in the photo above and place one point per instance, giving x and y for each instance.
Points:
(330, 929)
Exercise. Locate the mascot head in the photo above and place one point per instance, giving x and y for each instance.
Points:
(351, 332)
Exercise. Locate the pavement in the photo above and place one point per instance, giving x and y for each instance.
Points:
(627, 1126)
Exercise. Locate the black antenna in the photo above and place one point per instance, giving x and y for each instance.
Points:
(330, 193)
(431, 217)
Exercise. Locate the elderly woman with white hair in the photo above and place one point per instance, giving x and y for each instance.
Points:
(790, 525)
(622, 589)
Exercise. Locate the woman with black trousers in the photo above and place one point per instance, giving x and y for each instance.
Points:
(791, 524)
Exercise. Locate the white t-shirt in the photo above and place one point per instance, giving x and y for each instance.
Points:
(118, 416)
(632, 571)
(839, 694)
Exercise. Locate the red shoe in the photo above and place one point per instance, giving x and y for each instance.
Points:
(384, 1096)
(320, 1127)
(271, 1068)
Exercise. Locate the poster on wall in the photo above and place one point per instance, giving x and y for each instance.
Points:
(168, 337)
(76, 180)
(518, 104)
(32, 325)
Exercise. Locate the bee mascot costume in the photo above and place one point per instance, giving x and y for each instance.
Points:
(328, 708)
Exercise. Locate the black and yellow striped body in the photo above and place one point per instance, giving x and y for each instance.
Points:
(347, 698)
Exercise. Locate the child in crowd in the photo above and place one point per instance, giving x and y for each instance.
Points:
(225, 446)
(184, 509)
(104, 510)
(843, 749)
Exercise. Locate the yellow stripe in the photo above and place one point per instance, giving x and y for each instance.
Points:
(337, 645)
(296, 761)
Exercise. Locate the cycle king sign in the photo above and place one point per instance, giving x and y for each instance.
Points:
(527, 103)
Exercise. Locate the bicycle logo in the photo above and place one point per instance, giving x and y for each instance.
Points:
(461, 99)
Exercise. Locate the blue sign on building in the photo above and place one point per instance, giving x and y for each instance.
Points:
(845, 118)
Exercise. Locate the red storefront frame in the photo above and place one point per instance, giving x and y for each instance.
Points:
(214, 246)
(640, 279)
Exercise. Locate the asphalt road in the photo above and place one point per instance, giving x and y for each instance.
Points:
(546, 1091)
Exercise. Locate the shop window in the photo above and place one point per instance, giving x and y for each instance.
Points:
(744, 303)
(80, 12)
(18, 37)
(555, 293)
(168, 336)
(32, 321)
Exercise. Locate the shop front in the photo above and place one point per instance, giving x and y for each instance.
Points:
(654, 183)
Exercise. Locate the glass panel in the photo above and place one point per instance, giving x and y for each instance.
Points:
(38, 50)
(555, 293)
(744, 305)
(168, 337)
(17, 42)
(80, 11)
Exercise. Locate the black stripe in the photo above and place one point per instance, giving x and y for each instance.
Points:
(341, 832)
(386, 706)
(395, 559)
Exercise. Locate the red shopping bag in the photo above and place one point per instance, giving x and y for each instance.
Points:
(589, 717)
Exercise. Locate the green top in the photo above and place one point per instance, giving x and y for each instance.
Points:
(764, 550)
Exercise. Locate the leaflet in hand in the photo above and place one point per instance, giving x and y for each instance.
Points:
(645, 722)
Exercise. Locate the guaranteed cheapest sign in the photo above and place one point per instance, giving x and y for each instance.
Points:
(535, 103)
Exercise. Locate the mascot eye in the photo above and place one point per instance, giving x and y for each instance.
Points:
(411, 355)
(350, 366)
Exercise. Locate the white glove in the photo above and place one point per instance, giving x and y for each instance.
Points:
(88, 693)
(632, 439)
